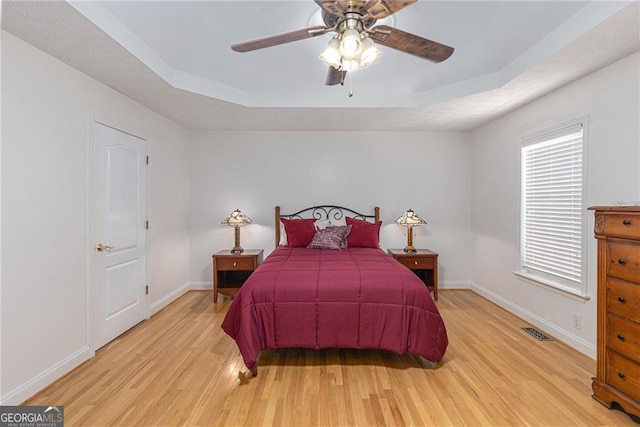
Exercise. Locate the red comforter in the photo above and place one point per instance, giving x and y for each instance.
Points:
(355, 298)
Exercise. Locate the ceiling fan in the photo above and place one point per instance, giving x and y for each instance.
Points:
(353, 47)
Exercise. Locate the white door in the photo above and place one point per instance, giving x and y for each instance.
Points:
(119, 235)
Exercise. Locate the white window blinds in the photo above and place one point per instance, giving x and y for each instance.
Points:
(552, 207)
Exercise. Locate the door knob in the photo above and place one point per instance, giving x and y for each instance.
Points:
(103, 248)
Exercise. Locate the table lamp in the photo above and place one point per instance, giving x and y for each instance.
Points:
(410, 219)
(237, 219)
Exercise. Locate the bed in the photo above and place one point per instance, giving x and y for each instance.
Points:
(341, 291)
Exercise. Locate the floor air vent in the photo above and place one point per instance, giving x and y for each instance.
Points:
(536, 333)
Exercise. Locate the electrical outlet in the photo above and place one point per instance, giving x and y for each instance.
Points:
(577, 321)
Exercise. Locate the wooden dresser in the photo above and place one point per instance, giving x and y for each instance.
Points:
(618, 366)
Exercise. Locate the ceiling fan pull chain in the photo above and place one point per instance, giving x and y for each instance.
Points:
(350, 91)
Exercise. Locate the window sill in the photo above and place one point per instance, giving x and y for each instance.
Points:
(553, 286)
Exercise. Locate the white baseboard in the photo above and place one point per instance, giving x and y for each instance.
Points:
(38, 383)
(200, 286)
(571, 340)
(169, 298)
(454, 284)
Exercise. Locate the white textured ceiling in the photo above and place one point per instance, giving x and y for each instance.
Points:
(174, 57)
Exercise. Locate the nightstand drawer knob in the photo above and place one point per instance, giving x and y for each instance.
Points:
(622, 300)
(415, 262)
(626, 222)
(235, 264)
(622, 261)
(621, 337)
(621, 375)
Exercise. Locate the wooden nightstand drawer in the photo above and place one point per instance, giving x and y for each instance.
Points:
(235, 263)
(623, 299)
(416, 262)
(624, 374)
(624, 336)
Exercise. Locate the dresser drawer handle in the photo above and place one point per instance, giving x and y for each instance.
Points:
(621, 375)
(622, 299)
(626, 222)
(621, 337)
(415, 262)
(622, 261)
(235, 264)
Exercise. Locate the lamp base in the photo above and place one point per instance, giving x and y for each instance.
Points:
(409, 248)
(237, 249)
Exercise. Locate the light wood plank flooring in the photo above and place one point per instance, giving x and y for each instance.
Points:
(180, 369)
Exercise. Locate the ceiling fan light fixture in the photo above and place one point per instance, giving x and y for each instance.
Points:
(331, 55)
(370, 53)
(350, 43)
(350, 65)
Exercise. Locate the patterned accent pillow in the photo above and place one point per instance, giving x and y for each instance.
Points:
(330, 238)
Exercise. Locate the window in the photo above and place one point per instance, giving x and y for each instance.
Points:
(552, 210)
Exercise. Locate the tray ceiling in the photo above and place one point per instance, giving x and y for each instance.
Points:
(174, 57)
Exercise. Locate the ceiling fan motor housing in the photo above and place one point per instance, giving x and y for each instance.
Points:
(337, 20)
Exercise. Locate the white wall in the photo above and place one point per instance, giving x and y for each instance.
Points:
(47, 108)
(610, 97)
(255, 171)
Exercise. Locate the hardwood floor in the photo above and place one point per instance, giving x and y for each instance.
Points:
(181, 369)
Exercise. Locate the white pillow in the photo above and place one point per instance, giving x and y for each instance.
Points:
(342, 222)
(321, 224)
(283, 235)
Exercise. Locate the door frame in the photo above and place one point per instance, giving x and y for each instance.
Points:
(91, 168)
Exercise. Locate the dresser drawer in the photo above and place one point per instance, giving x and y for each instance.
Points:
(622, 225)
(624, 259)
(623, 298)
(623, 336)
(237, 263)
(623, 374)
(417, 262)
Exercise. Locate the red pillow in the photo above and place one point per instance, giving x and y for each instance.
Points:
(363, 234)
(299, 231)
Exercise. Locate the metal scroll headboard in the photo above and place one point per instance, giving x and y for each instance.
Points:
(325, 212)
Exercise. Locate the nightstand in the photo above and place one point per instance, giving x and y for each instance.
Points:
(231, 270)
(424, 263)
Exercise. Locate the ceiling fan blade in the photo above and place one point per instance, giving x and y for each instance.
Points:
(379, 9)
(335, 77)
(331, 6)
(410, 43)
(280, 39)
